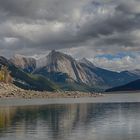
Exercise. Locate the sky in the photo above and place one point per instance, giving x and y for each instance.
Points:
(107, 32)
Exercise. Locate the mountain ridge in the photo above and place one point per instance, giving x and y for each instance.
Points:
(26, 80)
(131, 86)
(64, 69)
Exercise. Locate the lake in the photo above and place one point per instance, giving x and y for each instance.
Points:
(72, 121)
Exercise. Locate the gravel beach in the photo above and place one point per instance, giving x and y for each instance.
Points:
(11, 91)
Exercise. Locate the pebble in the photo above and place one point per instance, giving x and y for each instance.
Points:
(9, 90)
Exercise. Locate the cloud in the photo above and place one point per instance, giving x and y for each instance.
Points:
(93, 26)
(118, 64)
(43, 9)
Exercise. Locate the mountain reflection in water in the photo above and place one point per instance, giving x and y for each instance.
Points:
(71, 122)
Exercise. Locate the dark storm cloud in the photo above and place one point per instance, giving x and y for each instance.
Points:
(121, 21)
(58, 24)
(40, 9)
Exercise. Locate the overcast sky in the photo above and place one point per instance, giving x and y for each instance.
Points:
(105, 31)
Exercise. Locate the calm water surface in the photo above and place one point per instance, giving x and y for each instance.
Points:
(92, 121)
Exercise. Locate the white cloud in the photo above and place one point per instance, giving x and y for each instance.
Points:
(118, 64)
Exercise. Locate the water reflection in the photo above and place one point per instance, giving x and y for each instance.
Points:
(71, 122)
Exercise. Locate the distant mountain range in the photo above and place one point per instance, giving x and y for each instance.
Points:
(58, 71)
(132, 86)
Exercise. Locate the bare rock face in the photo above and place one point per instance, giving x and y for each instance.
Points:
(87, 63)
(59, 62)
(136, 71)
(60, 68)
(26, 63)
(90, 70)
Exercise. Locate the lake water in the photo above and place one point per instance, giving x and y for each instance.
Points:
(84, 121)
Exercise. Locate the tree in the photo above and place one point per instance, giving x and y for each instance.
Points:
(5, 75)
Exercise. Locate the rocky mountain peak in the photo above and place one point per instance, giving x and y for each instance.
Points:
(26, 63)
(56, 55)
(59, 62)
(86, 62)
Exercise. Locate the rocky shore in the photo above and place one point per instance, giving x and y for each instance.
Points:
(11, 91)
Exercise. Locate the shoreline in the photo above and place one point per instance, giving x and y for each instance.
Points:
(11, 91)
(11, 95)
(25, 94)
(107, 98)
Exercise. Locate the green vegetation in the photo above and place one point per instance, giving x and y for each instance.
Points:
(43, 83)
(73, 86)
(28, 81)
(34, 82)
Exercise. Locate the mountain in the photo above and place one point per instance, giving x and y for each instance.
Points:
(65, 67)
(70, 74)
(26, 80)
(132, 86)
(135, 71)
(28, 64)
(106, 77)
(65, 71)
